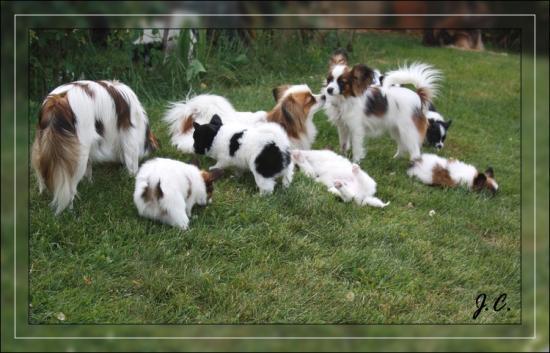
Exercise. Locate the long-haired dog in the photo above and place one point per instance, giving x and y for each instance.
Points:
(263, 149)
(166, 190)
(293, 111)
(434, 170)
(339, 175)
(360, 109)
(437, 128)
(87, 121)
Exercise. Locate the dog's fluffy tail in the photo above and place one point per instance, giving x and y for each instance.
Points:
(56, 151)
(180, 121)
(424, 77)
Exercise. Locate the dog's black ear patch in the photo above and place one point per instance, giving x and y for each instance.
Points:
(490, 172)
(448, 124)
(216, 120)
(479, 181)
(271, 160)
(234, 142)
(204, 135)
(196, 125)
(431, 107)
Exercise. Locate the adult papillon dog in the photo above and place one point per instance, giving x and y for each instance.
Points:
(294, 110)
(360, 109)
(82, 122)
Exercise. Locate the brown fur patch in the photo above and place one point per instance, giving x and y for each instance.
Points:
(291, 113)
(355, 82)
(279, 91)
(186, 124)
(441, 176)
(150, 194)
(151, 142)
(420, 122)
(121, 105)
(86, 88)
(55, 151)
(377, 104)
(209, 179)
(339, 57)
(190, 185)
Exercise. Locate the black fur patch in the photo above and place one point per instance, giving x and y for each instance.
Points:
(234, 143)
(64, 126)
(99, 128)
(203, 136)
(433, 135)
(431, 107)
(271, 160)
(377, 104)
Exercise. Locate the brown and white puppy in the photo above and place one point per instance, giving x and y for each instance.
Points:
(434, 170)
(87, 121)
(359, 109)
(294, 111)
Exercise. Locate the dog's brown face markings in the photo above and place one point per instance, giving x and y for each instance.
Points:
(279, 91)
(339, 57)
(420, 122)
(291, 113)
(121, 106)
(485, 181)
(441, 176)
(209, 178)
(377, 103)
(355, 82)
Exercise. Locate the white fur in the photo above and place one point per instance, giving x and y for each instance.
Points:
(125, 146)
(417, 74)
(177, 181)
(201, 108)
(460, 172)
(339, 175)
(348, 114)
(254, 139)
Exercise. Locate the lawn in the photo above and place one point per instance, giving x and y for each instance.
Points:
(301, 255)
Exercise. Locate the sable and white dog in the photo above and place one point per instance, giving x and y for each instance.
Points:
(360, 109)
(166, 190)
(294, 111)
(87, 121)
(339, 175)
(434, 170)
(263, 149)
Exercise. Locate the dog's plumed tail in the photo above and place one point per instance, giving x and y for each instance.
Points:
(423, 76)
(56, 152)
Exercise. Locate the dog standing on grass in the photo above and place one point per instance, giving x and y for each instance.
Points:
(82, 122)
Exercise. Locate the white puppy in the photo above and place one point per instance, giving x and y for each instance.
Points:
(339, 175)
(166, 190)
(434, 170)
(263, 149)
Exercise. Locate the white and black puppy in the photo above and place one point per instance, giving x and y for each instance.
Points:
(434, 170)
(339, 175)
(263, 149)
(437, 128)
(200, 109)
(360, 109)
(87, 121)
(166, 190)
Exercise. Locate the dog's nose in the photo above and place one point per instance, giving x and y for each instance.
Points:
(439, 146)
(329, 90)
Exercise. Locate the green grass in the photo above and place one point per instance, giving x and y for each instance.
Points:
(301, 255)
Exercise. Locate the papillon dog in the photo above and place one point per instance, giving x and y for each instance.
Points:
(263, 149)
(437, 128)
(360, 109)
(434, 170)
(82, 122)
(166, 190)
(294, 110)
(339, 175)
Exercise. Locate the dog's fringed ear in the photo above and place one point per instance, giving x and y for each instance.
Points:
(293, 113)
(216, 120)
(196, 162)
(448, 124)
(490, 172)
(479, 181)
(196, 125)
(338, 57)
(215, 174)
(279, 91)
(362, 77)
